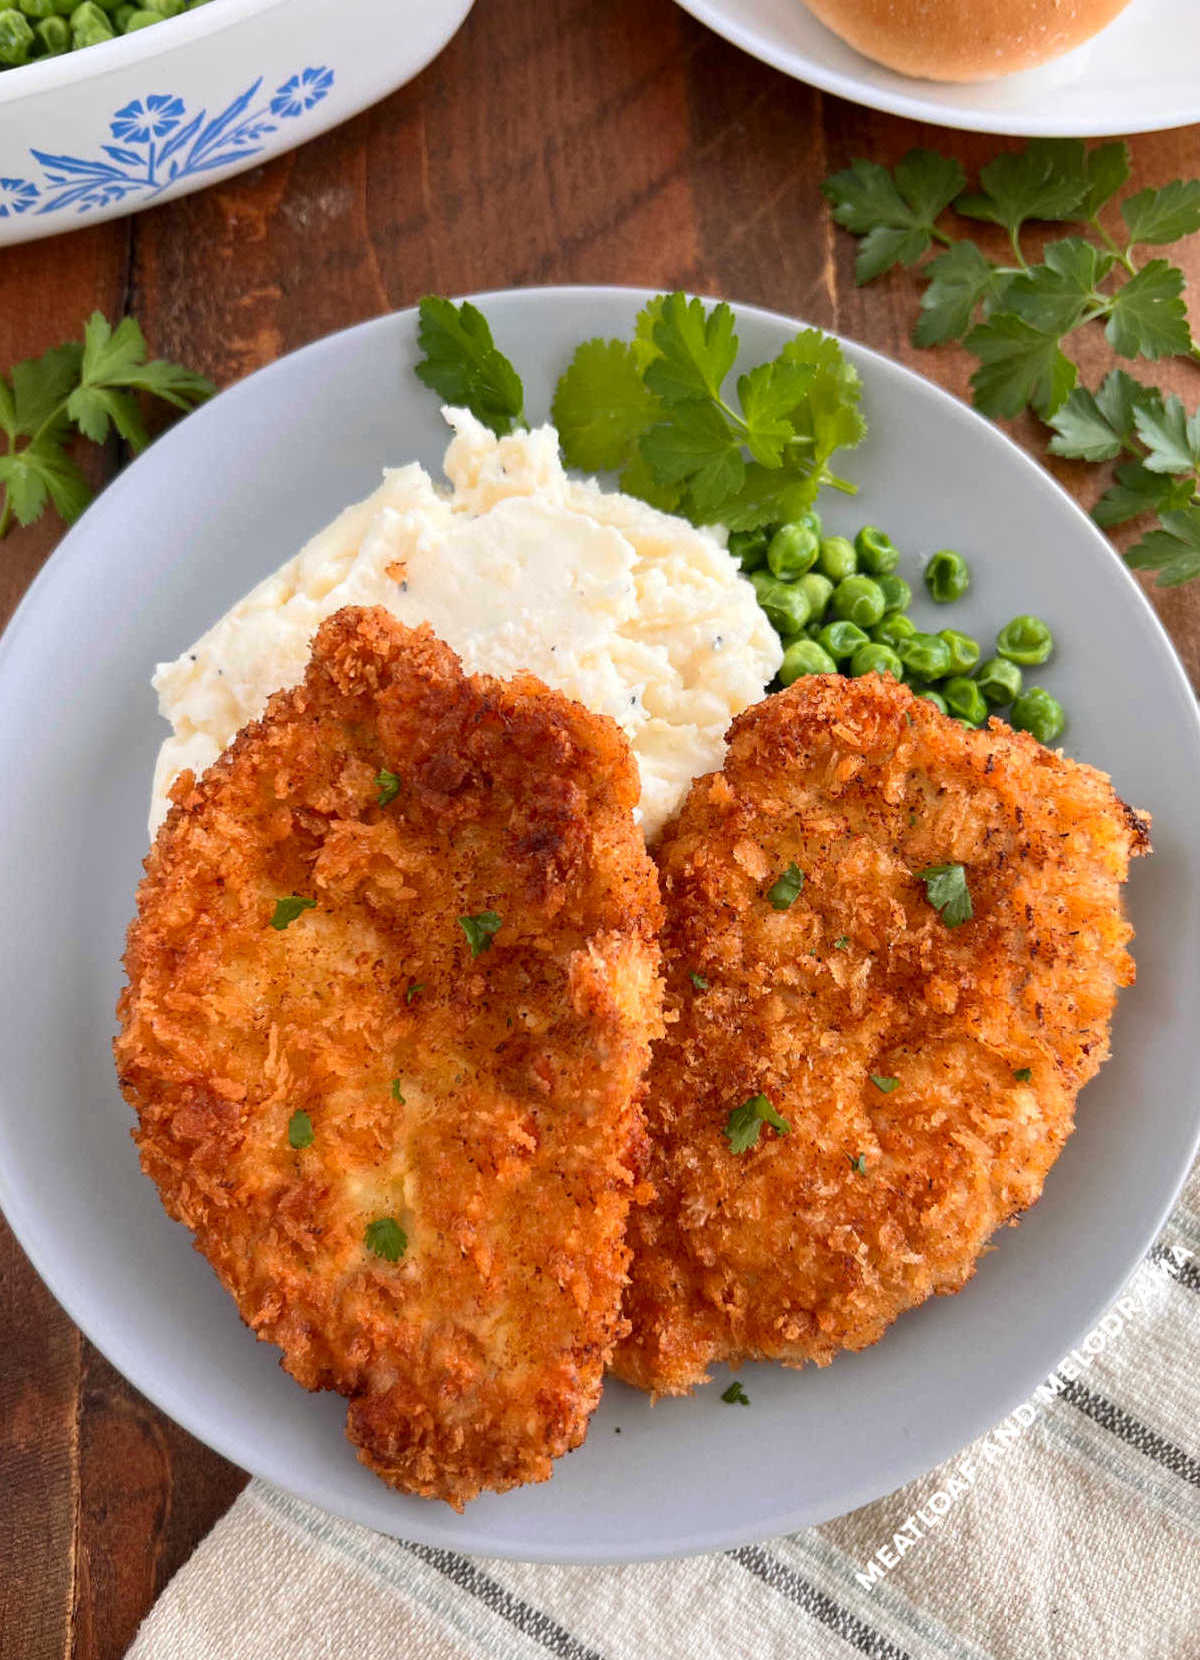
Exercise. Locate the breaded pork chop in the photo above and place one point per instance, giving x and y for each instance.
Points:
(928, 1072)
(407, 1152)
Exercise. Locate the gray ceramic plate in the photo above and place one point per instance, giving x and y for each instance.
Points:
(217, 504)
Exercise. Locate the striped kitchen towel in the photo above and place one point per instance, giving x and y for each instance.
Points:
(1070, 1532)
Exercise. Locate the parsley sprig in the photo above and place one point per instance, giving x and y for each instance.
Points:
(1020, 318)
(87, 388)
(657, 409)
(1124, 417)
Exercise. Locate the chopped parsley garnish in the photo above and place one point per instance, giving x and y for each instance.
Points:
(1024, 1074)
(289, 908)
(785, 890)
(859, 1164)
(480, 930)
(388, 786)
(887, 1085)
(735, 1395)
(417, 986)
(386, 1238)
(396, 1095)
(300, 1130)
(746, 1122)
(698, 980)
(842, 944)
(946, 890)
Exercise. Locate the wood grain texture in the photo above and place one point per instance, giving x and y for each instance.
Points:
(553, 141)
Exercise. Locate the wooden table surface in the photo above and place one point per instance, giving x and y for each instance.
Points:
(553, 141)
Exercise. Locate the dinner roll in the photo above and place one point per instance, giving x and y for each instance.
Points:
(965, 40)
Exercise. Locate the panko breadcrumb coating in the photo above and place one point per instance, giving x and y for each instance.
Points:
(473, 1117)
(881, 1192)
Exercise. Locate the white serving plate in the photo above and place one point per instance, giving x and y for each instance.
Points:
(1140, 74)
(160, 555)
(149, 116)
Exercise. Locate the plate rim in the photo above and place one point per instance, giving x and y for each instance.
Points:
(716, 15)
(161, 1391)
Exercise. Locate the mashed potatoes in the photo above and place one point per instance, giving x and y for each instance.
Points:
(634, 612)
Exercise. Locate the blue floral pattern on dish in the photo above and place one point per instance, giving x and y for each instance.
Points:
(158, 144)
(16, 196)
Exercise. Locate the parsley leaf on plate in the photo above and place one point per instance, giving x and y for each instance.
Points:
(745, 1123)
(463, 365)
(735, 1395)
(602, 406)
(946, 890)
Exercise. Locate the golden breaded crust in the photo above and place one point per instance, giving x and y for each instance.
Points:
(790, 1250)
(488, 1107)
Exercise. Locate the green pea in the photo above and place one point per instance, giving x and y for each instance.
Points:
(925, 655)
(748, 547)
(818, 590)
(122, 15)
(784, 602)
(964, 699)
(89, 26)
(897, 595)
(48, 8)
(16, 37)
(876, 553)
(964, 651)
(936, 699)
(947, 576)
(141, 18)
(999, 681)
(793, 550)
(54, 34)
(805, 657)
(894, 628)
(1036, 712)
(166, 8)
(837, 558)
(876, 659)
(812, 631)
(1025, 640)
(842, 639)
(858, 600)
